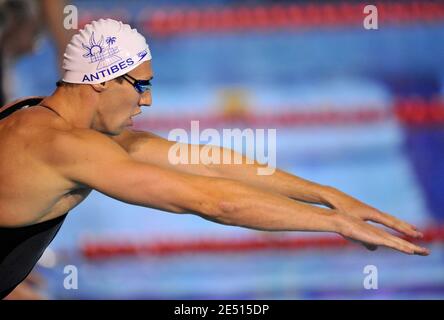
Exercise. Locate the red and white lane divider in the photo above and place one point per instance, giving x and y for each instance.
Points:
(112, 249)
(165, 22)
(171, 20)
(414, 112)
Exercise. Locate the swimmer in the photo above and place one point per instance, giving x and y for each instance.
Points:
(57, 149)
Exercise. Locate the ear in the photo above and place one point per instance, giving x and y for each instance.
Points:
(99, 87)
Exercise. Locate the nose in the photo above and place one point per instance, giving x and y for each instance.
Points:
(146, 99)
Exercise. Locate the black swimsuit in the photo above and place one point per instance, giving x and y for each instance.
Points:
(21, 248)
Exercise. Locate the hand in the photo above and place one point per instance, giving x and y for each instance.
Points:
(353, 207)
(355, 229)
(349, 206)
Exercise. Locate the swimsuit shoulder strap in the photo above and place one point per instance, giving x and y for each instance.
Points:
(19, 104)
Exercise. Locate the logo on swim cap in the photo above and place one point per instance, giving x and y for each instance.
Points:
(105, 56)
(110, 40)
(142, 54)
(102, 51)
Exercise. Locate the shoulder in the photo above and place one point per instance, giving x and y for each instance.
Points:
(79, 154)
(57, 144)
(84, 144)
(131, 140)
(37, 118)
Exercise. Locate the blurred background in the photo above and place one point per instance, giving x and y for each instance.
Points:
(361, 110)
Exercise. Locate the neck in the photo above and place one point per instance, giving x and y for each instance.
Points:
(75, 105)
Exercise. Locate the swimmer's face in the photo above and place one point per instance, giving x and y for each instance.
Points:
(120, 101)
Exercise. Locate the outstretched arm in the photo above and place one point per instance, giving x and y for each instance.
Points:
(149, 148)
(92, 159)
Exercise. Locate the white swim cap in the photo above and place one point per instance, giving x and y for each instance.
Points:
(103, 50)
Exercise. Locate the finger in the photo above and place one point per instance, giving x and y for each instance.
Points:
(396, 224)
(372, 235)
(410, 249)
(382, 237)
(403, 245)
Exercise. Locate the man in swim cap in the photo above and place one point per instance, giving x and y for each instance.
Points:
(56, 150)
